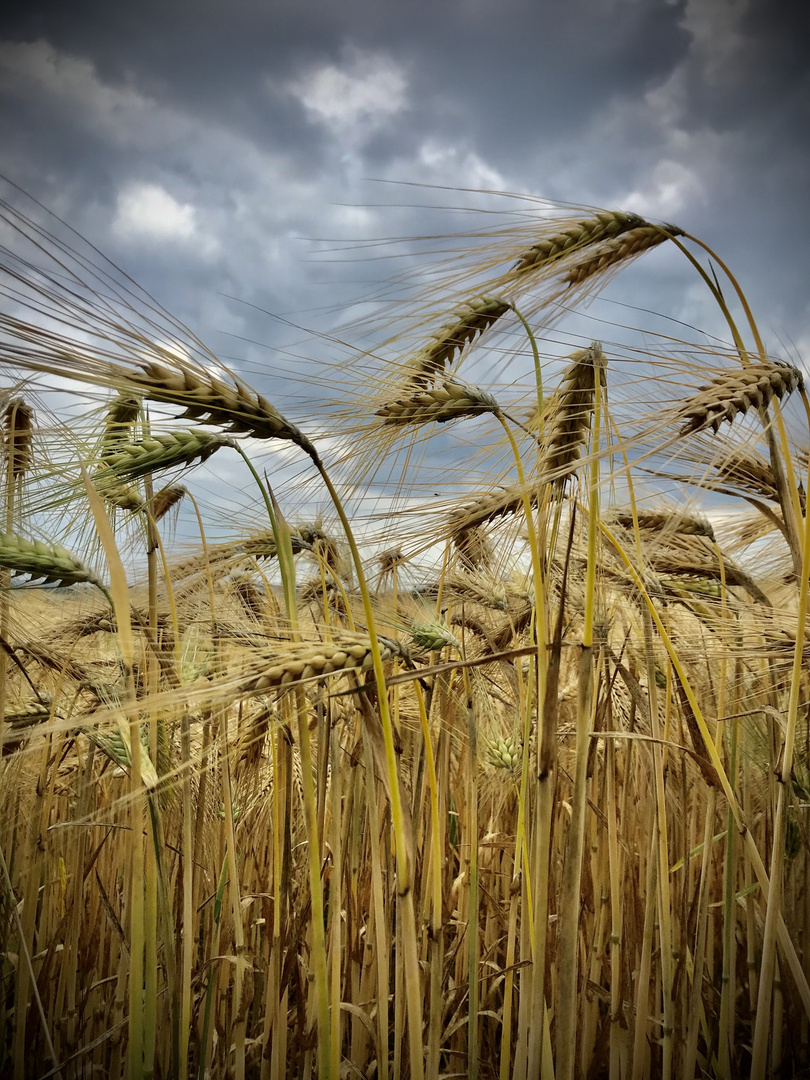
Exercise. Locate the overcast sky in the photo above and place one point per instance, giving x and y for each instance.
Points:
(207, 146)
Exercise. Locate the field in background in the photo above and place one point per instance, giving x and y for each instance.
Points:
(506, 778)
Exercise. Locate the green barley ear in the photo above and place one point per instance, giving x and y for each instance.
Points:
(434, 636)
(115, 743)
(506, 753)
(162, 451)
(44, 562)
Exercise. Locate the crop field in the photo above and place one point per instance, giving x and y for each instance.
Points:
(495, 764)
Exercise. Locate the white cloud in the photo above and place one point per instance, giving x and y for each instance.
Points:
(149, 212)
(367, 86)
(670, 187)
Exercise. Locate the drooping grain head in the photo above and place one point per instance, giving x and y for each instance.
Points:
(45, 562)
(609, 253)
(167, 498)
(206, 398)
(580, 234)
(469, 323)
(735, 393)
(17, 437)
(439, 404)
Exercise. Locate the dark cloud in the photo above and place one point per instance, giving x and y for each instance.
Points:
(197, 143)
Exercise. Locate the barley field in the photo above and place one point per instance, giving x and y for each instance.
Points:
(495, 766)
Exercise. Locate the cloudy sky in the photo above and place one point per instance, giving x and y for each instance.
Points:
(211, 149)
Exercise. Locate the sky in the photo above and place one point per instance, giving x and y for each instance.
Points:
(239, 159)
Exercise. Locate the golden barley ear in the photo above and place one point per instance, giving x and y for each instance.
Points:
(735, 393)
(570, 410)
(319, 659)
(449, 400)
(204, 397)
(617, 249)
(580, 234)
(470, 322)
(18, 423)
